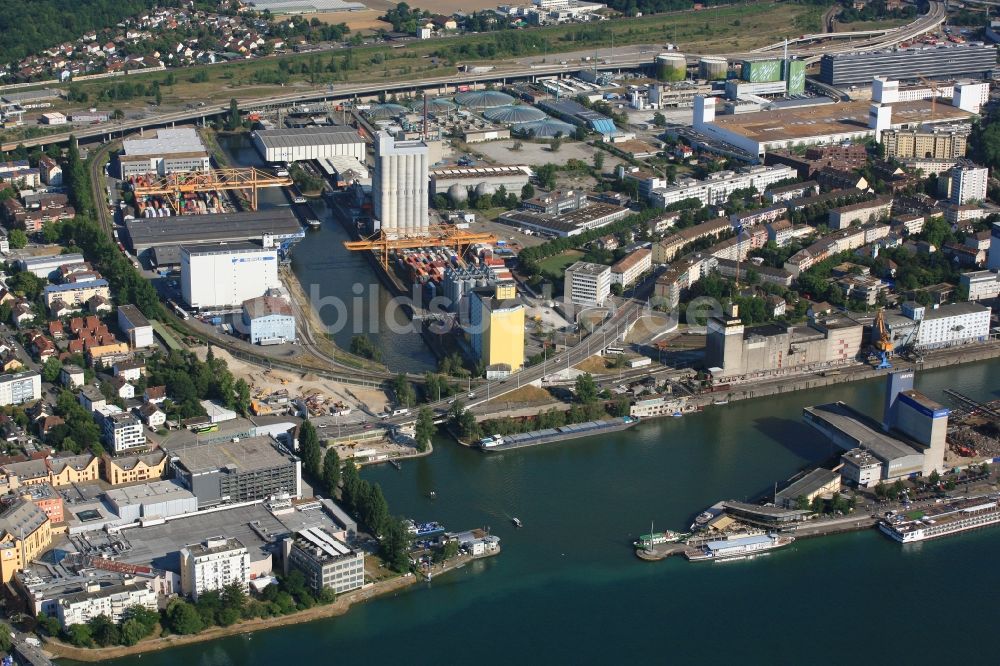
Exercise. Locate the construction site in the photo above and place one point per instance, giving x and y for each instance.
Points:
(974, 427)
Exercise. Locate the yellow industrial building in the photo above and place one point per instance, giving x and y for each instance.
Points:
(497, 328)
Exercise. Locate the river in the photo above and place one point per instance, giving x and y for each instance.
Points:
(328, 272)
(567, 588)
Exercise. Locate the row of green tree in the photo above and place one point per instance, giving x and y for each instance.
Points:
(362, 498)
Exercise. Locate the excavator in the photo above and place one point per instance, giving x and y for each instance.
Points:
(883, 345)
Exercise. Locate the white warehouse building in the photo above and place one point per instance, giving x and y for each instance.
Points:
(948, 325)
(309, 143)
(226, 274)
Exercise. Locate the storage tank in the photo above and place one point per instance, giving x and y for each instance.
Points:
(458, 193)
(485, 189)
(713, 68)
(671, 67)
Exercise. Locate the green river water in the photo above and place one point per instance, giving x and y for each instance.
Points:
(568, 589)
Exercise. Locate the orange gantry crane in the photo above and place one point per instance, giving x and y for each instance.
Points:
(436, 236)
(174, 186)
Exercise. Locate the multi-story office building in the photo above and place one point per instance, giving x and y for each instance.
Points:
(226, 274)
(20, 387)
(586, 284)
(212, 565)
(968, 184)
(325, 561)
(976, 60)
(400, 186)
(496, 326)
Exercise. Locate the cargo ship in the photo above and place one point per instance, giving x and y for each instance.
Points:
(970, 513)
(739, 547)
(522, 440)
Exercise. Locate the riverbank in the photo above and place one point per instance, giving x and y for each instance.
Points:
(59, 650)
(776, 386)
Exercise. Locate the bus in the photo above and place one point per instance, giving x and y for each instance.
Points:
(208, 427)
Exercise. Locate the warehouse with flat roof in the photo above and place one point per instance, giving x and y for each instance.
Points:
(144, 234)
(240, 470)
(849, 429)
(309, 143)
(763, 131)
(170, 150)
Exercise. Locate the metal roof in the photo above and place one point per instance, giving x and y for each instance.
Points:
(547, 128)
(514, 114)
(145, 233)
(483, 99)
(438, 104)
(309, 136)
(168, 141)
(385, 111)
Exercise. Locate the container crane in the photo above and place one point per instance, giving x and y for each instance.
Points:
(436, 236)
(883, 345)
(174, 186)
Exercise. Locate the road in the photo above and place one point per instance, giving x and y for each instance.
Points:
(621, 58)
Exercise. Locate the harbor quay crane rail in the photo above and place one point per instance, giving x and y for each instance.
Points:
(173, 186)
(436, 236)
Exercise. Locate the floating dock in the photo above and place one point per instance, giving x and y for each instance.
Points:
(522, 440)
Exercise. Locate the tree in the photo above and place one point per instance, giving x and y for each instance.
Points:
(309, 447)
(617, 289)
(425, 428)
(18, 239)
(817, 504)
(104, 631)
(51, 369)
(403, 390)
(6, 640)
(555, 144)
(234, 597)
(934, 478)
(659, 119)
(79, 635)
(395, 545)
(586, 388)
(132, 632)
(599, 160)
(331, 471)
(527, 192)
(117, 114)
(242, 396)
(183, 618)
(517, 146)
(802, 503)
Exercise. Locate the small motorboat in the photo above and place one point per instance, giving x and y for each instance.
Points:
(516, 521)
